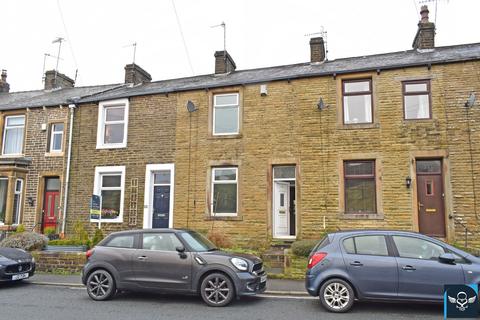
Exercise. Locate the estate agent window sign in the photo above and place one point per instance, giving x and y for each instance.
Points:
(95, 209)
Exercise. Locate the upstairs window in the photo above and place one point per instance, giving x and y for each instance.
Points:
(226, 114)
(13, 135)
(357, 101)
(56, 137)
(112, 124)
(224, 191)
(416, 99)
(360, 189)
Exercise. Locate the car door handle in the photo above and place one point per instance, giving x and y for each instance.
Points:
(356, 264)
(408, 268)
(142, 258)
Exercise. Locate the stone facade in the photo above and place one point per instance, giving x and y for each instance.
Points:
(151, 132)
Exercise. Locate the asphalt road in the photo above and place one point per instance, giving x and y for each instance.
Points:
(38, 302)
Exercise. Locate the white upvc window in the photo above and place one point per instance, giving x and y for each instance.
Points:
(17, 201)
(224, 191)
(112, 124)
(13, 134)
(3, 198)
(56, 137)
(110, 185)
(226, 111)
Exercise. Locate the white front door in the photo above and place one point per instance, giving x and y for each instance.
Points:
(281, 211)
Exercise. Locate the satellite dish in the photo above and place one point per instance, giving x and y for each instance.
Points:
(471, 100)
(321, 105)
(191, 106)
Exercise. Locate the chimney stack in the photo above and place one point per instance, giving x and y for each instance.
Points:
(135, 75)
(224, 62)
(57, 80)
(425, 37)
(4, 86)
(317, 50)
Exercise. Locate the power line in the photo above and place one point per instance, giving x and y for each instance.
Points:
(68, 37)
(183, 37)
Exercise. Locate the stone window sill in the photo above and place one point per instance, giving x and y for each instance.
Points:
(358, 126)
(223, 218)
(54, 154)
(227, 136)
(362, 216)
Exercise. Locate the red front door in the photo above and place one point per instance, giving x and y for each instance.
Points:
(50, 208)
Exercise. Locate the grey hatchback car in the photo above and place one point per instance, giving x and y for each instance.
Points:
(385, 265)
(170, 260)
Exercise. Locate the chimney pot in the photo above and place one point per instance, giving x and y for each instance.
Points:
(4, 86)
(55, 79)
(134, 74)
(224, 62)
(317, 50)
(425, 37)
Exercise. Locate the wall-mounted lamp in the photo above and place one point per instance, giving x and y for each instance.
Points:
(408, 182)
(191, 106)
(470, 101)
(30, 201)
(321, 105)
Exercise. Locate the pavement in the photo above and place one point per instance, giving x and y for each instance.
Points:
(19, 301)
(279, 287)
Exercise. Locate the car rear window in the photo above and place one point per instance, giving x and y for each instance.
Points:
(123, 241)
(322, 244)
(375, 245)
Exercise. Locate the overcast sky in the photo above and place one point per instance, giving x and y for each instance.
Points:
(259, 33)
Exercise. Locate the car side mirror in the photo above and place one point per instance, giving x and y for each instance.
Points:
(180, 249)
(447, 258)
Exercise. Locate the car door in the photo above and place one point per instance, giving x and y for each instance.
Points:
(119, 252)
(159, 265)
(420, 273)
(371, 266)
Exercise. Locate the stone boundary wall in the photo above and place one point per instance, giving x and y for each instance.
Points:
(59, 262)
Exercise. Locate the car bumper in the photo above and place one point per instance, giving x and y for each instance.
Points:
(249, 284)
(311, 284)
(7, 276)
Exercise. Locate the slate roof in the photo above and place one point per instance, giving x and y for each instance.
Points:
(393, 60)
(40, 98)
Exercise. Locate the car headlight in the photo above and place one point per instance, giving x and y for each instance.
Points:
(240, 264)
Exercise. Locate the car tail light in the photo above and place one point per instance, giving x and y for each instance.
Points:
(316, 258)
(89, 253)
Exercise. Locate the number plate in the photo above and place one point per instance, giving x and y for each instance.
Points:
(263, 278)
(20, 276)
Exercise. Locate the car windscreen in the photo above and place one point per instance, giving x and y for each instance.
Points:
(197, 242)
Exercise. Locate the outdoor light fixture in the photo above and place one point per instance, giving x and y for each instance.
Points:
(191, 106)
(470, 101)
(408, 182)
(321, 105)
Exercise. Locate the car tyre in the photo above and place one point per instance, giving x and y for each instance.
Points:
(336, 295)
(217, 290)
(101, 285)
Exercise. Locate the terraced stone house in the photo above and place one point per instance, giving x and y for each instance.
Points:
(287, 152)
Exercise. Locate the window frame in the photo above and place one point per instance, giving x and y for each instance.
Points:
(16, 215)
(397, 253)
(358, 93)
(416, 93)
(52, 137)
(360, 177)
(97, 188)
(212, 188)
(6, 198)
(214, 107)
(6, 127)
(102, 106)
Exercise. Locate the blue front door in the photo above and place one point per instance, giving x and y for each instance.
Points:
(161, 207)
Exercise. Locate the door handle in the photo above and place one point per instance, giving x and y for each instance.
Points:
(142, 258)
(420, 204)
(356, 264)
(408, 268)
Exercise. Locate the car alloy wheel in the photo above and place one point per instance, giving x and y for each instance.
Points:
(100, 285)
(217, 290)
(336, 295)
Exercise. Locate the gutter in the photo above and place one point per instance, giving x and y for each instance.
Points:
(72, 108)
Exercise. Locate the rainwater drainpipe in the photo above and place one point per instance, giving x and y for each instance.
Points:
(71, 107)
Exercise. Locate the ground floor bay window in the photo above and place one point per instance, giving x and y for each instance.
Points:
(110, 185)
(3, 199)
